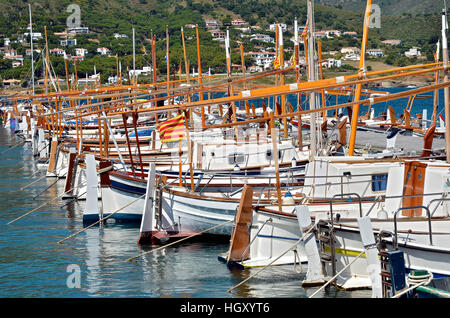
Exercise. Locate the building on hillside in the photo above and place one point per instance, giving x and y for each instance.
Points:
(262, 37)
(413, 52)
(283, 26)
(75, 58)
(212, 24)
(352, 57)
(10, 54)
(320, 34)
(190, 26)
(120, 36)
(391, 42)
(68, 42)
(36, 35)
(17, 63)
(28, 52)
(350, 50)
(333, 63)
(239, 22)
(57, 51)
(262, 59)
(61, 34)
(217, 35)
(79, 30)
(81, 52)
(350, 33)
(10, 82)
(103, 51)
(376, 52)
(146, 70)
(332, 33)
(254, 69)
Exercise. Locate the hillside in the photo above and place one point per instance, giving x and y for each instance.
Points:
(390, 7)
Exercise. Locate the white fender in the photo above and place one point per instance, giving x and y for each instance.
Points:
(373, 263)
(91, 211)
(314, 275)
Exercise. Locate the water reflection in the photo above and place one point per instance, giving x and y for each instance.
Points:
(33, 265)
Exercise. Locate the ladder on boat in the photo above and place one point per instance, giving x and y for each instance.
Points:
(325, 236)
(158, 205)
(386, 284)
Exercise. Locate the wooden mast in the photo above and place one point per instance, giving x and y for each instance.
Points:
(282, 79)
(311, 77)
(436, 80)
(168, 63)
(362, 66)
(319, 49)
(297, 79)
(446, 92)
(200, 76)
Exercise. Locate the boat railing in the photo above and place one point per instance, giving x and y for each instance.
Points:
(385, 197)
(410, 208)
(246, 157)
(443, 198)
(343, 195)
(341, 184)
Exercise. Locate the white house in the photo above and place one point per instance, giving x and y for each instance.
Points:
(57, 51)
(28, 52)
(81, 52)
(283, 26)
(263, 59)
(332, 33)
(16, 63)
(212, 24)
(352, 57)
(413, 52)
(320, 34)
(376, 52)
(68, 42)
(217, 35)
(36, 35)
(103, 50)
(146, 70)
(79, 30)
(239, 22)
(262, 37)
(120, 36)
(333, 63)
(350, 50)
(10, 54)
